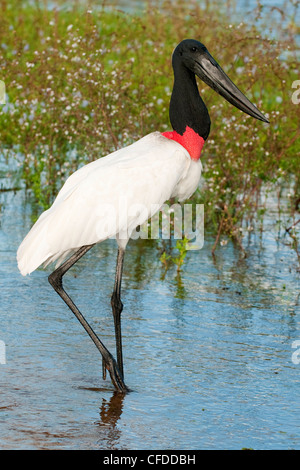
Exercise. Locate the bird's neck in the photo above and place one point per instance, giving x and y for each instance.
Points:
(188, 114)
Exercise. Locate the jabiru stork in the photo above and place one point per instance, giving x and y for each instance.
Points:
(149, 172)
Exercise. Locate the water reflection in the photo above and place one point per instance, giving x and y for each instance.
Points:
(180, 289)
(110, 413)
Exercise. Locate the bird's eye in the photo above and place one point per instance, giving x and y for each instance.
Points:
(194, 49)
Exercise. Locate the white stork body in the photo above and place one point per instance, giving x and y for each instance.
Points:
(110, 197)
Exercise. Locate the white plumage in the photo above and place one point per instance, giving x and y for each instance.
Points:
(110, 197)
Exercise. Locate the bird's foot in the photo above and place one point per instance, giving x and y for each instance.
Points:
(115, 374)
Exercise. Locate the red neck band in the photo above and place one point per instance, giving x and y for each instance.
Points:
(190, 140)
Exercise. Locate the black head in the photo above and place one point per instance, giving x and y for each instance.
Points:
(187, 52)
(195, 57)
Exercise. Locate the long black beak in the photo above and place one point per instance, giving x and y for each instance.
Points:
(213, 75)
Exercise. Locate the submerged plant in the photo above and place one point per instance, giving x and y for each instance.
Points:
(181, 247)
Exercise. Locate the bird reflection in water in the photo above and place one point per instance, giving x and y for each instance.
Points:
(110, 412)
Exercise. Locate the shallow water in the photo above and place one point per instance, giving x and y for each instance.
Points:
(208, 356)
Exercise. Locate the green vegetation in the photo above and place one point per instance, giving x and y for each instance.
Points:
(83, 82)
(181, 249)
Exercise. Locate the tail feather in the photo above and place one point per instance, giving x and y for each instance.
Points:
(59, 258)
(36, 250)
(33, 250)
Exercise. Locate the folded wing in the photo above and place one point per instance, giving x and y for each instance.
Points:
(108, 197)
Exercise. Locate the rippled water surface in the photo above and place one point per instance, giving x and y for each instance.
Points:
(208, 356)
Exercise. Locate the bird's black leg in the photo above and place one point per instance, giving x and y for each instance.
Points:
(117, 308)
(55, 280)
